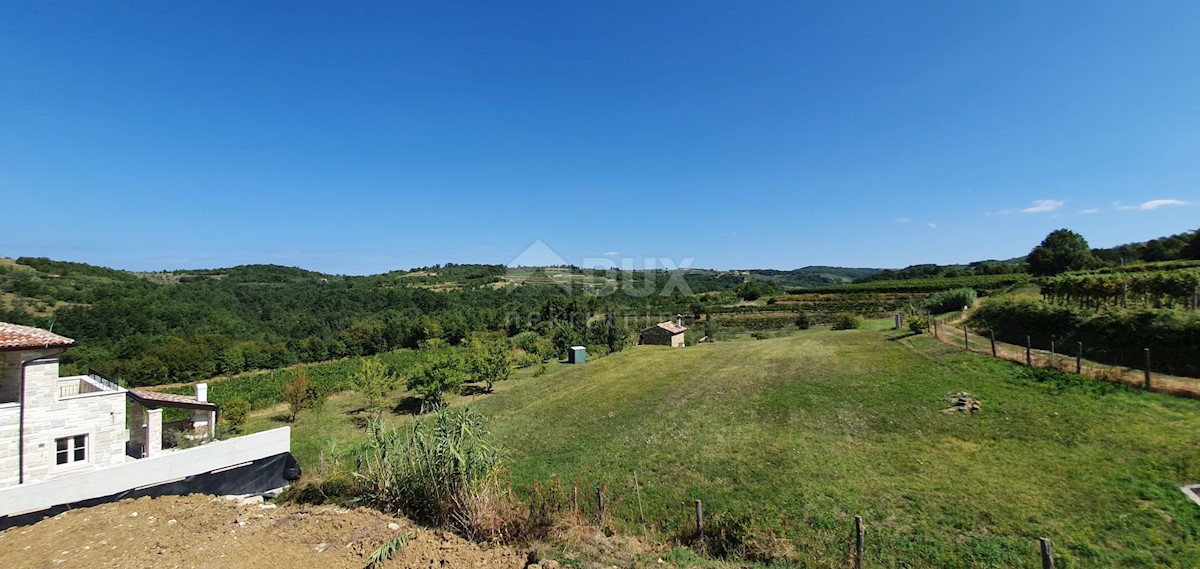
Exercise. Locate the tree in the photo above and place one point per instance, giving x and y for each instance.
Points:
(748, 290)
(490, 362)
(297, 392)
(1061, 251)
(374, 383)
(1192, 249)
(440, 374)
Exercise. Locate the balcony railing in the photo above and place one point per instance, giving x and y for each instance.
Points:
(93, 382)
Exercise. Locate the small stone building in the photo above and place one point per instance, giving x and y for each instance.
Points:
(664, 334)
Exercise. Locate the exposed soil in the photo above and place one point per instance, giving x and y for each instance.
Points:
(204, 531)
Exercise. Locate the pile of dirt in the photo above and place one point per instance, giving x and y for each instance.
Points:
(205, 531)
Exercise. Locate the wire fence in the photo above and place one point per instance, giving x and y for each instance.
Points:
(711, 534)
(1069, 358)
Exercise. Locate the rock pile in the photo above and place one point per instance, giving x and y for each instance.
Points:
(963, 402)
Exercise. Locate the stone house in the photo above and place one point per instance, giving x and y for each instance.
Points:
(54, 427)
(664, 334)
(51, 426)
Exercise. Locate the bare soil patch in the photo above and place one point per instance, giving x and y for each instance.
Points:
(205, 531)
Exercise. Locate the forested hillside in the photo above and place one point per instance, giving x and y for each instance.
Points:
(165, 327)
(153, 328)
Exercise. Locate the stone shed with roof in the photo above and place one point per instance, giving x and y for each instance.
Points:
(664, 334)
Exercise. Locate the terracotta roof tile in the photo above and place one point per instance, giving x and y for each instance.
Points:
(15, 337)
(672, 327)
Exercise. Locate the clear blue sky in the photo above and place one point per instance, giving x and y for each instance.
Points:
(368, 137)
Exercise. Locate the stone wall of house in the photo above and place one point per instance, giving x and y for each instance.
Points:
(10, 417)
(100, 416)
(656, 336)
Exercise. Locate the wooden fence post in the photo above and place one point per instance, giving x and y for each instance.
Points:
(575, 499)
(1028, 351)
(600, 502)
(1147, 350)
(966, 341)
(1079, 357)
(699, 519)
(858, 542)
(993, 333)
(1047, 553)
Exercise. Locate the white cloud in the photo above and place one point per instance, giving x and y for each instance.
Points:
(611, 254)
(1150, 205)
(932, 225)
(1041, 206)
(1090, 211)
(903, 219)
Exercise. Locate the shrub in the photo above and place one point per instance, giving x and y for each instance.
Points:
(759, 335)
(526, 341)
(297, 392)
(918, 324)
(524, 360)
(803, 322)
(440, 470)
(846, 321)
(951, 300)
(235, 412)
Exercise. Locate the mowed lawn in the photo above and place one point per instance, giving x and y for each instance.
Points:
(800, 433)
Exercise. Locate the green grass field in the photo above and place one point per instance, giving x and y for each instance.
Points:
(799, 433)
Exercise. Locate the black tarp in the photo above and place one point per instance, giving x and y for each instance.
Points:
(254, 478)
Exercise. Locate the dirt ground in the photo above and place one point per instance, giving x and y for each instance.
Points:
(206, 531)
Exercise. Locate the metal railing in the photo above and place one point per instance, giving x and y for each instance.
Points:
(107, 383)
(92, 383)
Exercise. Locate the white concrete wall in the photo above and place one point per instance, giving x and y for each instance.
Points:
(166, 467)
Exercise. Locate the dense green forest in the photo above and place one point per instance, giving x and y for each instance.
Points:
(156, 328)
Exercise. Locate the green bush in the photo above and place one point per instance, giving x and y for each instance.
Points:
(951, 300)
(234, 412)
(527, 341)
(846, 321)
(918, 324)
(803, 322)
(430, 468)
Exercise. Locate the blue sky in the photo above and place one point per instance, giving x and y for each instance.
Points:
(360, 138)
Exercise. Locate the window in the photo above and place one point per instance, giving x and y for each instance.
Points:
(70, 449)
